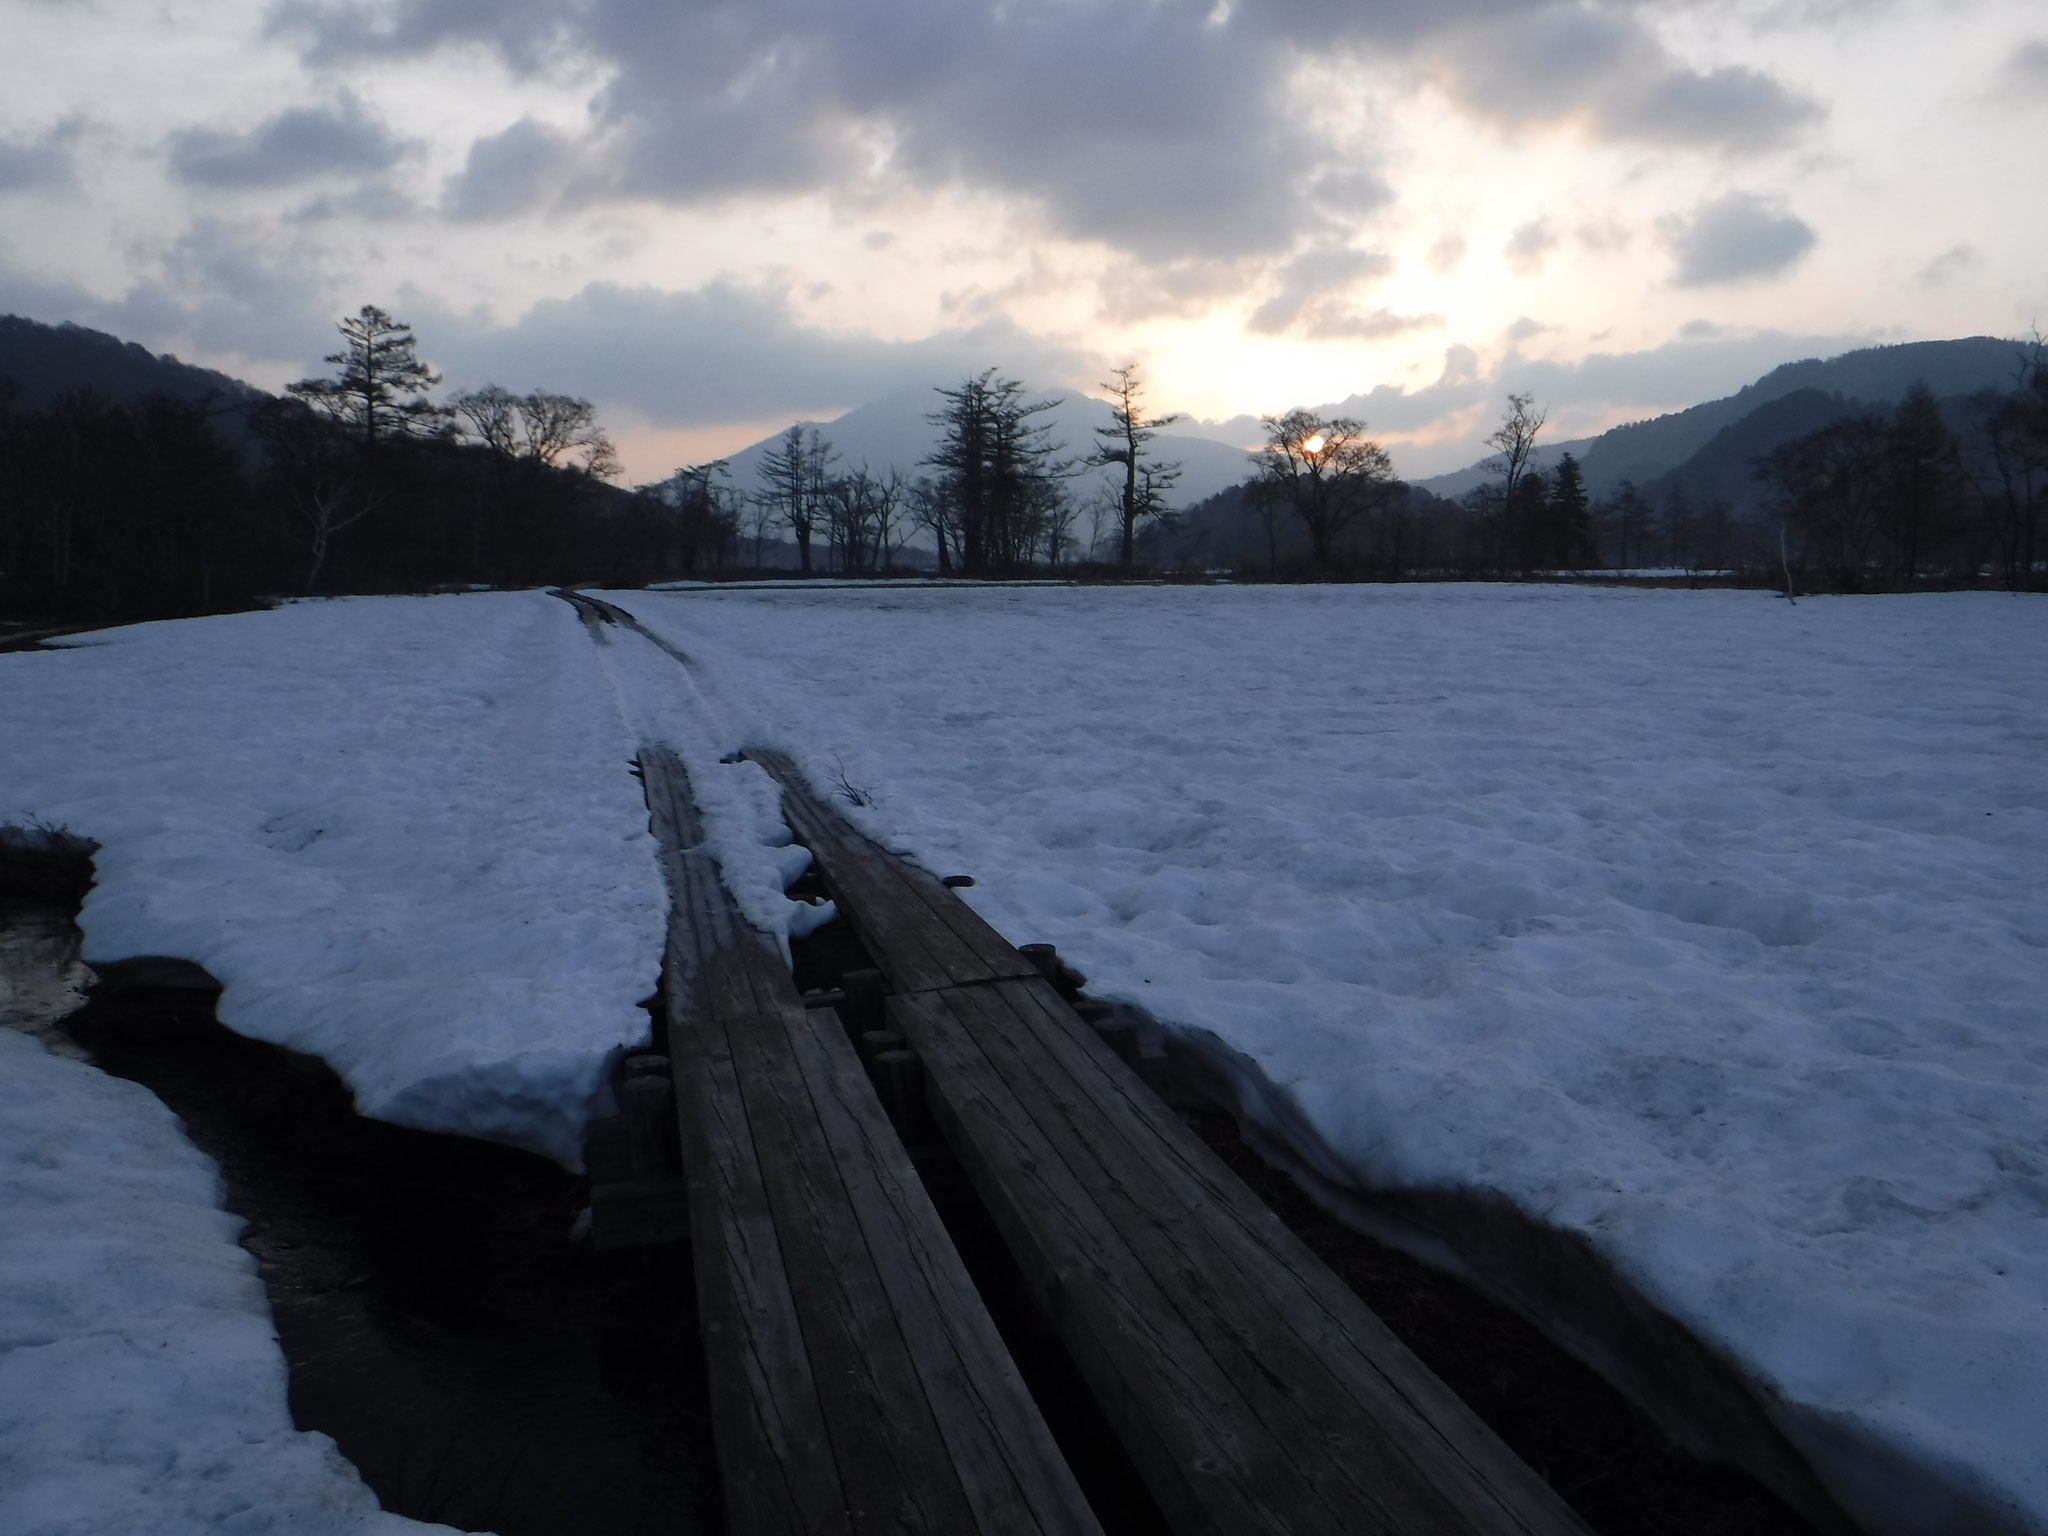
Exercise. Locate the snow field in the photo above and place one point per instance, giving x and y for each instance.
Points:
(1705, 926)
(141, 1386)
(400, 831)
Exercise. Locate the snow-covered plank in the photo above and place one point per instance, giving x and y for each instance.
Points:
(918, 932)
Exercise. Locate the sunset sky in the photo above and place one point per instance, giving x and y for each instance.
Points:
(713, 219)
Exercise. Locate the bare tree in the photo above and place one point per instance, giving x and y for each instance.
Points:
(540, 428)
(794, 482)
(931, 510)
(1327, 471)
(1123, 446)
(381, 389)
(327, 507)
(1514, 443)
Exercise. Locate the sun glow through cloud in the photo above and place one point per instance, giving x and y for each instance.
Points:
(1407, 217)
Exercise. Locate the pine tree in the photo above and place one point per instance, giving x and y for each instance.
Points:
(381, 390)
(1571, 518)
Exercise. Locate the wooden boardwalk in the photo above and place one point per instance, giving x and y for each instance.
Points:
(857, 1383)
(1251, 1388)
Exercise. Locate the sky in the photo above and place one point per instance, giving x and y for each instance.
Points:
(714, 219)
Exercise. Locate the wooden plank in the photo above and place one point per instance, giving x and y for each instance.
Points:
(1372, 1427)
(670, 807)
(768, 1423)
(1336, 1326)
(858, 1384)
(1000, 1448)
(918, 932)
(1252, 1389)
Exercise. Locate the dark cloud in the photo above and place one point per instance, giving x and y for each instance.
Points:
(722, 353)
(296, 145)
(378, 202)
(216, 293)
(1604, 67)
(1738, 237)
(509, 172)
(1168, 129)
(43, 163)
(1734, 108)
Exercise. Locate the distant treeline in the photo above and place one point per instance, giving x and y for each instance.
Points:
(1951, 491)
(213, 497)
(171, 505)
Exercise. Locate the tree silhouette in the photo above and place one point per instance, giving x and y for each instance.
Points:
(381, 389)
(1123, 445)
(996, 470)
(1326, 470)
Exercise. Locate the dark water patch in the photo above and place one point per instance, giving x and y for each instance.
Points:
(478, 1368)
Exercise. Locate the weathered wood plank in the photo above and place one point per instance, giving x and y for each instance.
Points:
(774, 1453)
(919, 932)
(1337, 1328)
(1252, 1389)
(1367, 1434)
(1001, 1451)
(858, 1384)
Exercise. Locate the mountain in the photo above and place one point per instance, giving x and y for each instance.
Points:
(48, 362)
(1643, 451)
(1724, 470)
(1472, 476)
(893, 430)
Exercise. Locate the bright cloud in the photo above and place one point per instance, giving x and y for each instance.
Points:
(714, 215)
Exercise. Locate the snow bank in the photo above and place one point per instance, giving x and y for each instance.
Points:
(1711, 929)
(400, 831)
(141, 1386)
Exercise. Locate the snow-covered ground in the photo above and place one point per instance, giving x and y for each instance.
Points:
(1707, 926)
(1712, 928)
(400, 831)
(141, 1387)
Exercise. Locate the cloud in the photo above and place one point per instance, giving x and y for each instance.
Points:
(1948, 266)
(1165, 129)
(218, 291)
(1529, 244)
(2025, 71)
(41, 164)
(296, 145)
(1604, 235)
(378, 202)
(1604, 68)
(1310, 282)
(1737, 237)
(509, 172)
(1446, 253)
(722, 353)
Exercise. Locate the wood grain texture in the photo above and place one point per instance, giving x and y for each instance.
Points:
(1252, 1389)
(920, 933)
(858, 1385)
